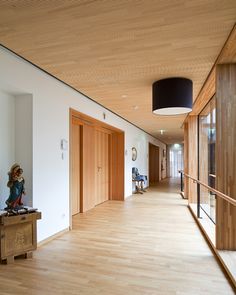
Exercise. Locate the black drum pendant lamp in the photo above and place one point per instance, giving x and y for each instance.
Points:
(172, 96)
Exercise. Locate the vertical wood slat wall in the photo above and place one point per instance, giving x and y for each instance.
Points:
(226, 155)
(192, 157)
(186, 148)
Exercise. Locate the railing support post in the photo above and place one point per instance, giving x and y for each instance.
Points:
(181, 181)
(198, 200)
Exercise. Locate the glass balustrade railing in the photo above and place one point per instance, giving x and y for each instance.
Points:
(208, 199)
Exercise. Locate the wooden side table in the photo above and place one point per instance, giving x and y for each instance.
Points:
(18, 235)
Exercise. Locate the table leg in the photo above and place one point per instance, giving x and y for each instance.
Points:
(29, 255)
(10, 259)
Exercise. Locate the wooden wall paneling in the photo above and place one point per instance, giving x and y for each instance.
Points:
(103, 168)
(226, 155)
(186, 159)
(117, 166)
(85, 119)
(150, 164)
(192, 156)
(96, 172)
(98, 166)
(154, 164)
(75, 162)
(114, 169)
(206, 93)
(227, 55)
(107, 166)
(88, 168)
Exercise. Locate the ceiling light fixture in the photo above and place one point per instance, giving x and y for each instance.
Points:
(172, 96)
(177, 145)
(162, 131)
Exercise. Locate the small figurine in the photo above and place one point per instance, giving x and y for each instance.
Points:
(16, 184)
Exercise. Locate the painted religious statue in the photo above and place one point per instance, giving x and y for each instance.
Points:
(16, 184)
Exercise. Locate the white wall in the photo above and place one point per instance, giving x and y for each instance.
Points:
(7, 146)
(16, 141)
(51, 102)
(23, 141)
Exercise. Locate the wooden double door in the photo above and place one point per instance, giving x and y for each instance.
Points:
(95, 150)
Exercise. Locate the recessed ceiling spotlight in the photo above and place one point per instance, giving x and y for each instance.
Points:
(177, 145)
(135, 107)
(124, 96)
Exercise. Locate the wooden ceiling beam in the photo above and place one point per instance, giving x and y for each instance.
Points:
(227, 55)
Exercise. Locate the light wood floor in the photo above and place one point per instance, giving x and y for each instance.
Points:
(149, 244)
(228, 257)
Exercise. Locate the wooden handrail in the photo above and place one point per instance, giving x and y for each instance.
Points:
(221, 195)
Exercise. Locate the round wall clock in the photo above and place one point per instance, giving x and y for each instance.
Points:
(134, 153)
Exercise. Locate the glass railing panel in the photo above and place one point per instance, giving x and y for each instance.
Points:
(208, 203)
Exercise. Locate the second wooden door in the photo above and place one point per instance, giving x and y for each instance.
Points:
(102, 164)
(153, 164)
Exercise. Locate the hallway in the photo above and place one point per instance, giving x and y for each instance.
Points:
(148, 244)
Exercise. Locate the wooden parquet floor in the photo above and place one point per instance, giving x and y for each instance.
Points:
(148, 244)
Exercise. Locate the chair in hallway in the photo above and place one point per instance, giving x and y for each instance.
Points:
(138, 180)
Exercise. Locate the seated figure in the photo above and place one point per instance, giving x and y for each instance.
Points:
(16, 184)
(139, 179)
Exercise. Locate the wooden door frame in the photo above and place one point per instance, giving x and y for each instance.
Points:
(116, 156)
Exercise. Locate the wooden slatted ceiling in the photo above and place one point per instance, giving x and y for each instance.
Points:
(111, 49)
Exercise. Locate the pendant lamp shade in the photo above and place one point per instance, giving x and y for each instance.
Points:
(172, 96)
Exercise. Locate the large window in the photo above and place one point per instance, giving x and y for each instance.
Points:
(207, 139)
(176, 159)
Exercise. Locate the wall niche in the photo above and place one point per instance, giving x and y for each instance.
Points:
(16, 141)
